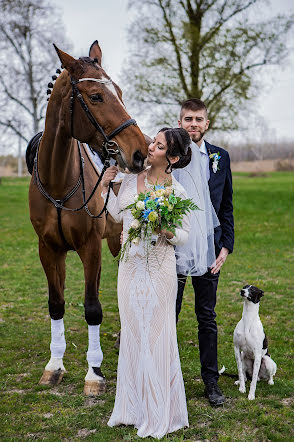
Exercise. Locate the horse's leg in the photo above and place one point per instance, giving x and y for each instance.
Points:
(90, 255)
(54, 266)
(114, 244)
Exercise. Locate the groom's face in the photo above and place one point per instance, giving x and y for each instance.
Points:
(195, 123)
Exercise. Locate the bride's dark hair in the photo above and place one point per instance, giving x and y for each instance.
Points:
(178, 145)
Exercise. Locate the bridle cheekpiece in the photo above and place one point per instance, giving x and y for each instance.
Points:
(110, 146)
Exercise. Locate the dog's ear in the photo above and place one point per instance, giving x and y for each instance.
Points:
(259, 294)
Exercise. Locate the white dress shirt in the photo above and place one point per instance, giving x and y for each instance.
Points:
(204, 159)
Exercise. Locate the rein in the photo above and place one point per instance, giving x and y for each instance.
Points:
(110, 148)
(59, 203)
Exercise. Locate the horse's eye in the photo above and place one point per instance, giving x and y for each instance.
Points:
(96, 98)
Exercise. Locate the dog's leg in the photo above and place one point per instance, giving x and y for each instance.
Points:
(270, 368)
(242, 388)
(256, 367)
(271, 380)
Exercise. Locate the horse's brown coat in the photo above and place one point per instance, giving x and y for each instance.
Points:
(59, 170)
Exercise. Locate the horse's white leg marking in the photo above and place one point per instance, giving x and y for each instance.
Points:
(94, 353)
(57, 346)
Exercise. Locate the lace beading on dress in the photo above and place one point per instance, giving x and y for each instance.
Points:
(150, 390)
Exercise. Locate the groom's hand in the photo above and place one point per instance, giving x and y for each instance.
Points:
(220, 260)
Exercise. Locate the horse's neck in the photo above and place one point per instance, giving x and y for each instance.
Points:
(59, 165)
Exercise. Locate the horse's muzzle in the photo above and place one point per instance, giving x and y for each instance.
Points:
(138, 161)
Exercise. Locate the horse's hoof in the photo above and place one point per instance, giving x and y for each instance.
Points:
(94, 388)
(51, 377)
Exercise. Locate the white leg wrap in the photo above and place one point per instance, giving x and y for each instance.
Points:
(58, 344)
(94, 353)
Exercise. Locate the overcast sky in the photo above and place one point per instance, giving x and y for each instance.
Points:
(107, 21)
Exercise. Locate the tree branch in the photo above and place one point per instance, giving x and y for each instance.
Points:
(13, 98)
(176, 48)
(215, 29)
(9, 125)
(232, 80)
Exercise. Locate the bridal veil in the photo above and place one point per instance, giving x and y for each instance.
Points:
(198, 253)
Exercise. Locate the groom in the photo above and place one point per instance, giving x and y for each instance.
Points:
(215, 162)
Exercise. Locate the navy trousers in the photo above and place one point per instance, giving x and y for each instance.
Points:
(205, 288)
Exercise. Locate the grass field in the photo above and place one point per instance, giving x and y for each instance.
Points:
(264, 256)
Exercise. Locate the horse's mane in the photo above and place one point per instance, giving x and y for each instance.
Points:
(89, 60)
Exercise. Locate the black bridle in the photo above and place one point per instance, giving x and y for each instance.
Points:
(110, 147)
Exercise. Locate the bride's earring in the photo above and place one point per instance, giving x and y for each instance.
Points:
(169, 167)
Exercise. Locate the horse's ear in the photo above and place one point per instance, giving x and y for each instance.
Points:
(67, 61)
(95, 52)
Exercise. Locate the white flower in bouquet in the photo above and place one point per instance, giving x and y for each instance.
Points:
(140, 205)
(152, 216)
(168, 190)
(159, 192)
(153, 211)
(135, 224)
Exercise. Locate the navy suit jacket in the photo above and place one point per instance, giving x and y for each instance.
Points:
(221, 192)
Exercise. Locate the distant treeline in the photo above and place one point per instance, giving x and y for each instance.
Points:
(238, 152)
(260, 151)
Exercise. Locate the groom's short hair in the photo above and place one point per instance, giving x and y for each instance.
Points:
(193, 104)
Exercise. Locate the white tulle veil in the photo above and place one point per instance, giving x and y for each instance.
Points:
(198, 253)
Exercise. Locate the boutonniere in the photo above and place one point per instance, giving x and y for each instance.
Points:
(215, 157)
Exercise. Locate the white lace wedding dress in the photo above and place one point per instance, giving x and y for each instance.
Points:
(150, 390)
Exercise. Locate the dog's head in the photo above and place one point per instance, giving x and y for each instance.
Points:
(251, 293)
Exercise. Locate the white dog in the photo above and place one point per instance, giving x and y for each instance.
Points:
(250, 344)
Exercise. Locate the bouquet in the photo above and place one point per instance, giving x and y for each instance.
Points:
(153, 211)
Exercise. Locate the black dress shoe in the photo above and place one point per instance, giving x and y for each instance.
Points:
(214, 394)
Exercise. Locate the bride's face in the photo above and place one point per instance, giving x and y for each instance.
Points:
(157, 151)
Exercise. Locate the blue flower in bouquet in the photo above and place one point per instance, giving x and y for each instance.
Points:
(156, 208)
(146, 213)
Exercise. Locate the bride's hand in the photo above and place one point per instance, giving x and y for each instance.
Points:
(167, 233)
(108, 176)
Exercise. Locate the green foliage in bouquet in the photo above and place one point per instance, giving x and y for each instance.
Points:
(155, 210)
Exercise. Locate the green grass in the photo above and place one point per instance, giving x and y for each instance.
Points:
(263, 256)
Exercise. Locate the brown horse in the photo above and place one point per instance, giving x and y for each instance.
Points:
(85, 105)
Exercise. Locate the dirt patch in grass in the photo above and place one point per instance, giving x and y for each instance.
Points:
(288, 401)
(261, 166)
(92, 401)
(84, 432)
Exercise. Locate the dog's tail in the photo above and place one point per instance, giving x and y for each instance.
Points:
(221, 371)
(229, 375)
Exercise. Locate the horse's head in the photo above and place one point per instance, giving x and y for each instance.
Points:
(93, 112)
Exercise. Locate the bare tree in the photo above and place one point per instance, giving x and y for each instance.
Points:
(27, 30)
(215, 50)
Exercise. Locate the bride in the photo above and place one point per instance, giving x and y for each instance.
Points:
(150, 390)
